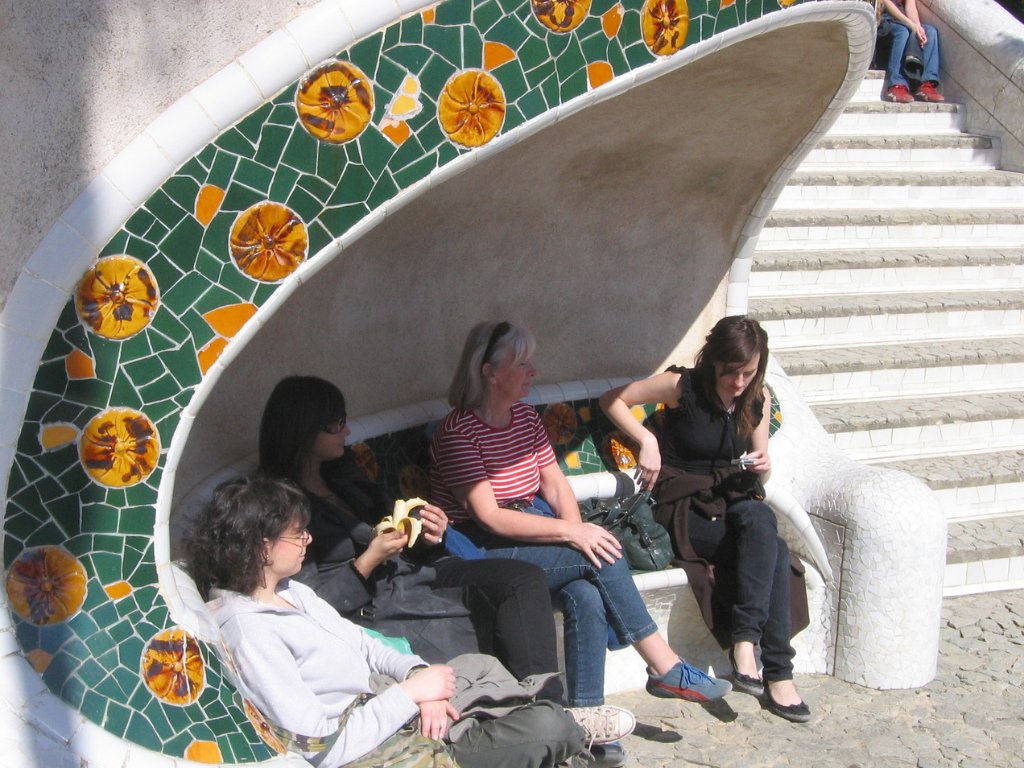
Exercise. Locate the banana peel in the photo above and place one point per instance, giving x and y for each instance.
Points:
(401, 519)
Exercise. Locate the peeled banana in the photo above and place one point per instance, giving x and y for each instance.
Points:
(401, 519)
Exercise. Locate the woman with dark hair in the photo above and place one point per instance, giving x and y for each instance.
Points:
(704, 467)
(442, 605)
(495, 475)
(309, 671)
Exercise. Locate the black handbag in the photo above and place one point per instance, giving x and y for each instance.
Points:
(645, 543)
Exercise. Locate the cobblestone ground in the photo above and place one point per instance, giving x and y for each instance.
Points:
(972, 714)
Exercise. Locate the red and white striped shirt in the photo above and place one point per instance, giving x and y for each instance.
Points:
(465, 451)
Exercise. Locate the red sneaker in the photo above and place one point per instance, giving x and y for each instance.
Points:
(900, 94)
(928, 92)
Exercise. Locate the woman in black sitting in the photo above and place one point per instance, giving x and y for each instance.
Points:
(443, 605)
(705, 468)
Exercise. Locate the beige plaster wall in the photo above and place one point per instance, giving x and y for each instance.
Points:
(79, 79)
(609, 233)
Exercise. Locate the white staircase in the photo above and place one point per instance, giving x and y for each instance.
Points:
(889, 278)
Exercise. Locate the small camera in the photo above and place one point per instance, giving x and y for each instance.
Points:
(743, 462)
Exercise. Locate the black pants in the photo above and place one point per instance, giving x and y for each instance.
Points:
(751, 579)
(511, 611)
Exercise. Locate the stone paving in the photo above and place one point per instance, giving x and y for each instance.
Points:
(845, 305)
(960, 470)
(919, 411)
(925, 354)
(970, 716)
(866, 258)
(996, 537)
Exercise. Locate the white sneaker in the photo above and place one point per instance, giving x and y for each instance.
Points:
(604, 724)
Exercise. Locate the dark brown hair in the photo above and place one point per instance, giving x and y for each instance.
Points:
(225, 549)
(733, 341)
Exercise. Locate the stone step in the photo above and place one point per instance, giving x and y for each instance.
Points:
(910, 277)
(889, 227)
(839, 319)
(971, 486)
(973, 364)
(907, 427)
(870, 88)
(927, 189)
(877, 118)
(918, 151)
(985, 556)
(880, 258)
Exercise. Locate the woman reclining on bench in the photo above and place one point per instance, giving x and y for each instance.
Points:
(308, 670)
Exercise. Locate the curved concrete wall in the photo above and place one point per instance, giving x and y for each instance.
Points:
(82, 79)
(983, 66)
(660, 194)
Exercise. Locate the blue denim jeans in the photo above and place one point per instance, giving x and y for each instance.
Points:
(752, 573)
(930, 54)
(592, 599)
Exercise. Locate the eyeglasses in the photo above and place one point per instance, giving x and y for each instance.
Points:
(499, 330)
(301, 540)
(335, 426)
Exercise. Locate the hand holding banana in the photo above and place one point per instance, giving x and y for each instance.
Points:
(401, 519)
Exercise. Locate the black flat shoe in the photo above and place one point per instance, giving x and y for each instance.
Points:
(745, 683)
(795, 713)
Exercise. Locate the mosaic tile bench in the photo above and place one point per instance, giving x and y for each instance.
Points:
(392, 448)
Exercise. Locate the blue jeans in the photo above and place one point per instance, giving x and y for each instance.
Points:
(592, 599)
(752, 573)
(930, 57)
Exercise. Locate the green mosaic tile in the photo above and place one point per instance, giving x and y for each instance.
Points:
(304, 204)
(184, 238)
(105, 565)
(121, 630)
(385, 189)
(300, 153)
(273, 139)
(366, 53)
(319, 190)
(164, 208)
(73, 691)
(637, 55)
(117, 718)
(446, 42)
(239, 198)
(252, 125)
(90, 673)
(415, 172)
(159, 389)
(138, 223)
(375, 151)
(156, 714)
(254, 176)
(223, 168)
(285, 180)
(94, 707)
(141, 732)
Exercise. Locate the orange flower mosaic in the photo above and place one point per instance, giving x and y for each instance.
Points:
(335, 101)
(268, 241)
(560, 15)
(471, 108)
(117, 298)
(620, 450)
(173, 668)
(259, 722)
(365, 459)
(413, 482)
(119, 447)
(46, 585)
(664, 24)
(560, 423)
